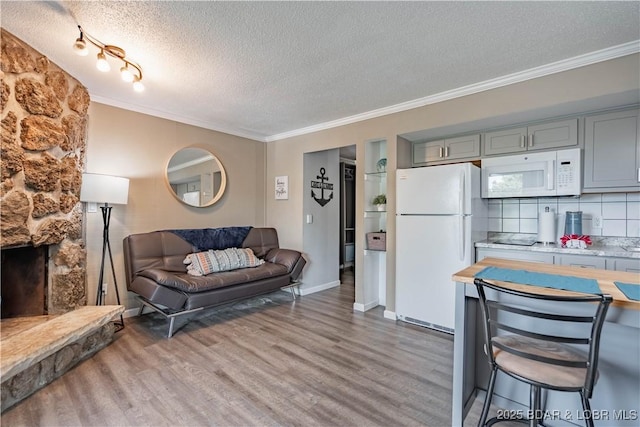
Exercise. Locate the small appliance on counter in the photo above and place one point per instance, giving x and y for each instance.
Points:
(573, 237)
(547, 226)
(573, 223)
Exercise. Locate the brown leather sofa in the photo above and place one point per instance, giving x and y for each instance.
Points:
(155, 272)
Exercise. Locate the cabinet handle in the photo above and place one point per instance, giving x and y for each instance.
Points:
(523, 141)
(446, 151)
(441, 152)
(531, 140)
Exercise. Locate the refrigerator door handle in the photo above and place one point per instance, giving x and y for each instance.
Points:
(461, 217)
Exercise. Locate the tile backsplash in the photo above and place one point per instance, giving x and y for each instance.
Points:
(619, 212)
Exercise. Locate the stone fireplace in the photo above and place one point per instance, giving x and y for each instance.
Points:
(43, 123)
(43, 118)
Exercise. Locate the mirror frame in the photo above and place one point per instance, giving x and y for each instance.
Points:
(223, 177)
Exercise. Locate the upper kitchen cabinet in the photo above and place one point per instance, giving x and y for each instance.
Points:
(462, 147)
(612, 152)
(542, 136)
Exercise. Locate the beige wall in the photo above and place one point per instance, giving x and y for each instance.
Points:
(582, 89)
(138, 146)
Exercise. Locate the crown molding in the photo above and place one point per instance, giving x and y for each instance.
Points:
(614, 52)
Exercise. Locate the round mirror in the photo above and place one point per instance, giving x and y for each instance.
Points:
(196, 177)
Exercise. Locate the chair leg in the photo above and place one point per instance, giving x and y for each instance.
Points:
(586, 407)
(487, 399)
(534, 406)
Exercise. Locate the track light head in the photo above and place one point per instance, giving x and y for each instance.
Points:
(80, 46)
(126, 74)
(137, 84)
(102, 63)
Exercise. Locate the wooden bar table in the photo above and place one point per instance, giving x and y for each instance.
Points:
(616, 398)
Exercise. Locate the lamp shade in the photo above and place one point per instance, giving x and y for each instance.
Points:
(104, 189)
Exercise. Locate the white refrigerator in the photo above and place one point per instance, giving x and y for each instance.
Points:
(439, 217)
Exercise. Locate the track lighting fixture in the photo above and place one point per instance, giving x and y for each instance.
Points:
(130, 71)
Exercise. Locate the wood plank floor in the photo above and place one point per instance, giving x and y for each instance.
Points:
(266, 361)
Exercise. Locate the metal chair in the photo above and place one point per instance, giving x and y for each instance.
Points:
(520, 334)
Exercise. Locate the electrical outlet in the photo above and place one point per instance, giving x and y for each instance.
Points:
(597, 221)
(104, 288)
(92, 207)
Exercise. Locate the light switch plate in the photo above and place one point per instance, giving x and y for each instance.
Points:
(92, 207)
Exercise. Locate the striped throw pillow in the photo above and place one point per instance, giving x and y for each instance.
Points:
(212, 261)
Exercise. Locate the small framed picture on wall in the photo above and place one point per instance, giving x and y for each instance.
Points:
(282, 187)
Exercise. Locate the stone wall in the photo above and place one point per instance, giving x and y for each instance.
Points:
(43, 118)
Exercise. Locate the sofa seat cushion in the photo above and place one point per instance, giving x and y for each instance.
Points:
(188, 283)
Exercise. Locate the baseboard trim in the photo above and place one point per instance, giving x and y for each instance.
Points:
(132, 312)
(391, 315)
(365, 307)
(312, 290)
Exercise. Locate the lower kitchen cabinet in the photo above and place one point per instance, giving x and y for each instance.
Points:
(482, 253)
(624, 264)
(631, 265)
(584, 261)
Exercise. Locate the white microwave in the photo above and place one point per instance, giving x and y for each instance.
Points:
(550, 173)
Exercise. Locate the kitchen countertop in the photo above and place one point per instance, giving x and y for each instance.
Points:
(605, 278)
(602, 246)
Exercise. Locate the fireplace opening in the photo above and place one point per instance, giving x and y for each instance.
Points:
(24, 281)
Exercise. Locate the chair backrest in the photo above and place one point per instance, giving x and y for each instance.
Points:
(575, 320)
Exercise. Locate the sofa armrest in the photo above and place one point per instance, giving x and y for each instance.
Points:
(290, 258)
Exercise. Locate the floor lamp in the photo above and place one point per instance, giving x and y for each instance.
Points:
(108, 190)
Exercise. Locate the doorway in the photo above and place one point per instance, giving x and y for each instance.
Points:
(347, 208)
(329, 217)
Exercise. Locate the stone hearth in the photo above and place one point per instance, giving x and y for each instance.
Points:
(36, 350)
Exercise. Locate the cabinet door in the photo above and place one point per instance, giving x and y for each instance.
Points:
(431, 151)
(462, 147)
(516, 255)
(612, 152)
(623, 264)
(553, 135)
(505, 141)
(583, 261)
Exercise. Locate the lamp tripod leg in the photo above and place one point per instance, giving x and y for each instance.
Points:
(115, 285)
(100, 292)
(106, 248)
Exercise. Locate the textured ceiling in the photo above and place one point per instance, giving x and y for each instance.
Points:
(266, 70)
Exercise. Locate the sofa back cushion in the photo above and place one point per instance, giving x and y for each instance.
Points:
(261, 240)
(157, 249)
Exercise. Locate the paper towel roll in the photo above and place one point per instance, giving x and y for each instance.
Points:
(547, 227)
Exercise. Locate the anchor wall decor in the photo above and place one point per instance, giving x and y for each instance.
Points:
(323, 186)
